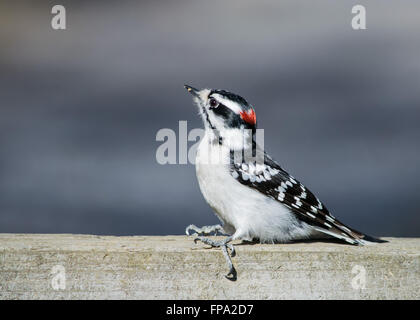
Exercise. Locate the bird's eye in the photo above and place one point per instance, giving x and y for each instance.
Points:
(213, 103)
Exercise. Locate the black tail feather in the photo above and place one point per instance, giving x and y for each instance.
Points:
(373, 239)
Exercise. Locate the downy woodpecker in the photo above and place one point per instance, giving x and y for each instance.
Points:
(253, 197)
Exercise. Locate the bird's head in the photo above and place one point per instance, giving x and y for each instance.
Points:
(222, 110)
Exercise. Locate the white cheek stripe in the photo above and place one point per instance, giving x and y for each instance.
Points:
(228, 103)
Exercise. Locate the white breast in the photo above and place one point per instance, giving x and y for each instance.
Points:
(245, 212)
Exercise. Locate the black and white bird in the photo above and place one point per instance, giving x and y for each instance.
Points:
(253, 197)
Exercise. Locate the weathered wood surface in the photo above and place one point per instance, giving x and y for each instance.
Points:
(64, 266)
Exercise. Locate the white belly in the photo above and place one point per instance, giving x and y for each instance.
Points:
(245, 212)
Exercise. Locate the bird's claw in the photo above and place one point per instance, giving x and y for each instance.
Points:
(205, 231)
(191, 227)
(216, 244)
(232, 250)
(232, 275)
(224, 245)
(211, 242)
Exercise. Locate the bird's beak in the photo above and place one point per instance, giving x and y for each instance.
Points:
(193, 91)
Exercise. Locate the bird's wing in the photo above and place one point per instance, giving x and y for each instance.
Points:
(271, 180)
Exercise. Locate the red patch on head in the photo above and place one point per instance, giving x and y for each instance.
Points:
(249, 116)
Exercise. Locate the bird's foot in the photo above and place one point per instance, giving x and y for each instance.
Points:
(224, 245)
(205, 230)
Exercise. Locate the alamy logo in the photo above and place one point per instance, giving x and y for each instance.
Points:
(58, 22)
(175, 150)
(359, 20)
(58, 281)
(359, 280)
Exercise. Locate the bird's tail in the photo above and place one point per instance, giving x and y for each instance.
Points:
(361, 238)
(350, 235)
(366, 240)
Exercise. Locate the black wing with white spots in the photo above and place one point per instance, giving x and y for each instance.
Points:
(271, 180)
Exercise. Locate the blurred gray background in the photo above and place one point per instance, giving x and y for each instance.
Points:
(80, 108)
